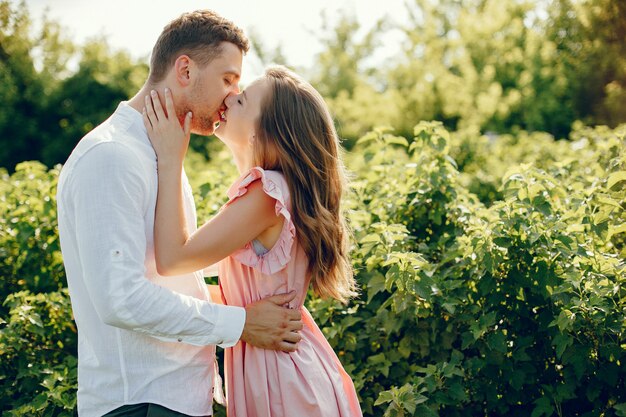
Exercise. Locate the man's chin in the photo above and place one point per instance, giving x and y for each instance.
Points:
(204, 130)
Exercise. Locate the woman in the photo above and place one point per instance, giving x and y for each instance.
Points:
(281, 230)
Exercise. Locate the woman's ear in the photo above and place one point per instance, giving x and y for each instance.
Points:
(182, 68)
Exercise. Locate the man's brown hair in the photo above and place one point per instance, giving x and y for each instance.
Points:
(199, 35)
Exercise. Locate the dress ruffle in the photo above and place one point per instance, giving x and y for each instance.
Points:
(279, 255)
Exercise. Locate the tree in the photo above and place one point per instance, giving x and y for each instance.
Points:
(352, 87)
(87, 97)
(483, 64)
(47, 107)
(20, 87)
(590, 38)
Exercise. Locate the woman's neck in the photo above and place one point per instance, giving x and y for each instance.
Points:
(243, 157)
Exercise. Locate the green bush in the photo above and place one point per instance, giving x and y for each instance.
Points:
(492, 274)
(37, 333)
(514, 309)
(30, 254)
(38, 348)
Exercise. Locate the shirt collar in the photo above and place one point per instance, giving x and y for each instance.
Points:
(135, 120)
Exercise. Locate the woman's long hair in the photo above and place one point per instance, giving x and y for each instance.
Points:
(296, 135)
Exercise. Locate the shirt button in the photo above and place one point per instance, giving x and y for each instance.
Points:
(180, 339)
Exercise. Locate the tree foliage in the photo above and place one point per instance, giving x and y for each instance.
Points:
(47, 107)
(493, 65)
(473, 64)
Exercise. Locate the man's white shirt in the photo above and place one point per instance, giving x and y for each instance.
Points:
(141, 337)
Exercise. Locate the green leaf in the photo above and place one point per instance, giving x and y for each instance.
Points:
(35, 319)
(396, 140)
(457, 392)
(452, 161)
(375, 285)
(543, 407)
(609, 201)
(371, 238)
(615, 178)
(440, 144)
(503, 242)
(424, 411)
(593, 392)
(368, 137)
(404, 347)
(561, 342)
(384, 397)
(39, 401)
(567, 241)
(534, 190)
(450, 307)
(497, 342)
(620, 409)
(614, 230)
(517, 379)
(565, 320)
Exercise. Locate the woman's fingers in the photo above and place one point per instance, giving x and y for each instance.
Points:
(187, 126)
(150, 111)
(146, 119)
(158, 109)
(169, 103)
(165, 130)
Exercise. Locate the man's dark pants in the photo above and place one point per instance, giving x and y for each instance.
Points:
(144, 410)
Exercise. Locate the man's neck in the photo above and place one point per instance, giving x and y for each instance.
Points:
(138, 101)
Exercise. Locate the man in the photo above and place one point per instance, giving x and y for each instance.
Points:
(146, 344)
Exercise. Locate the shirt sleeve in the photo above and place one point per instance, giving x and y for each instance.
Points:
(110, 196)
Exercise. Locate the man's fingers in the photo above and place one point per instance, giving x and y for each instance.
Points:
(292, 337)
(294, 315)
(282, 299)
(269, 325)
(294, 326)
(287, 347)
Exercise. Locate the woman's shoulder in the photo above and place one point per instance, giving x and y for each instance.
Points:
(274, 183)
(277, 178)
(275, 186)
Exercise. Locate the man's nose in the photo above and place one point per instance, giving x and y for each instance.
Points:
(229, 98)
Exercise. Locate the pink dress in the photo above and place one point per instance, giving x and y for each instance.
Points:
(310, 382)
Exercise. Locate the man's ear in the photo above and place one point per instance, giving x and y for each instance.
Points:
(182, 70)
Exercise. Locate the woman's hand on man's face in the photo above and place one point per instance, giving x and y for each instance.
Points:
(169, 139)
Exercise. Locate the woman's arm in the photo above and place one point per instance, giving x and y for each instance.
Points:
(233, 227)
(238, 223)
